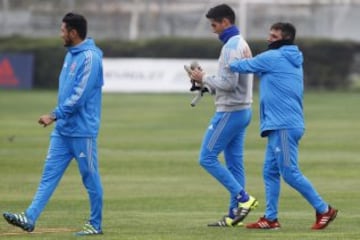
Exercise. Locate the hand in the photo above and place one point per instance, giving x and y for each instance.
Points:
(247, 53)
(46, 120)
(197, 75)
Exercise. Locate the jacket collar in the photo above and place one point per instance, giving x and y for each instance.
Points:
(228, 33)
(279, 44)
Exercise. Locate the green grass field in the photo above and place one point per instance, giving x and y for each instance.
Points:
(153, 185)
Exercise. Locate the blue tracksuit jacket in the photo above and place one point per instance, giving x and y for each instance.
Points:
(281, 87)
(79, 101)
(281, 110)
(74, 136)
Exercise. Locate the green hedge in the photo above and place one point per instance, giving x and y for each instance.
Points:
(327, 63)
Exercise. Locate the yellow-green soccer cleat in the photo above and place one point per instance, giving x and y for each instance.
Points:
(244, 209)
(225, 221)
(88, 229)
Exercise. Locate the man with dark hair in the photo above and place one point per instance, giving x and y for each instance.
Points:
(218, 13)
(77, 117)
(282, 122)
(76, 21)
(227, 128)
(286, 30)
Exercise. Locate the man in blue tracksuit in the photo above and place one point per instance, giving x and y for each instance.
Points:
(227, 128)
(282, 122)
(77, 117)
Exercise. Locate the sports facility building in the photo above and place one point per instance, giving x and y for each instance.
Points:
(143, 19)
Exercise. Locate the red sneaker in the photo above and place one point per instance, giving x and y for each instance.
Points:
(264, 223)
(322, 220)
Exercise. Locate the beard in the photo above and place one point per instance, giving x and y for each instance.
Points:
(68, 42)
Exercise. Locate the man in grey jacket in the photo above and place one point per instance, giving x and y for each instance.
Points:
(227, 128)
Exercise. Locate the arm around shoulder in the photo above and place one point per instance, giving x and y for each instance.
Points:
(257, 64)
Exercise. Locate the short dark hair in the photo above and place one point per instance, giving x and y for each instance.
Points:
(77, 22)
(288, 30)
(219, 12)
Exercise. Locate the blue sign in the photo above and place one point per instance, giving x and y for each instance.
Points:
(16, 71)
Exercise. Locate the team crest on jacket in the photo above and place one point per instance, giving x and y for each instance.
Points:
(72, 68)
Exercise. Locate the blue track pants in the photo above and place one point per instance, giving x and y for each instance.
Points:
(226, 133)
(61, 151)
(281, 159)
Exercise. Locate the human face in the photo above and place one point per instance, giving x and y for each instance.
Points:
(275, 35)
(217, 26)
(66, 35)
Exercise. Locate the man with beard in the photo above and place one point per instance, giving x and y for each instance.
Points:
(282, 122)
(77, 117)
